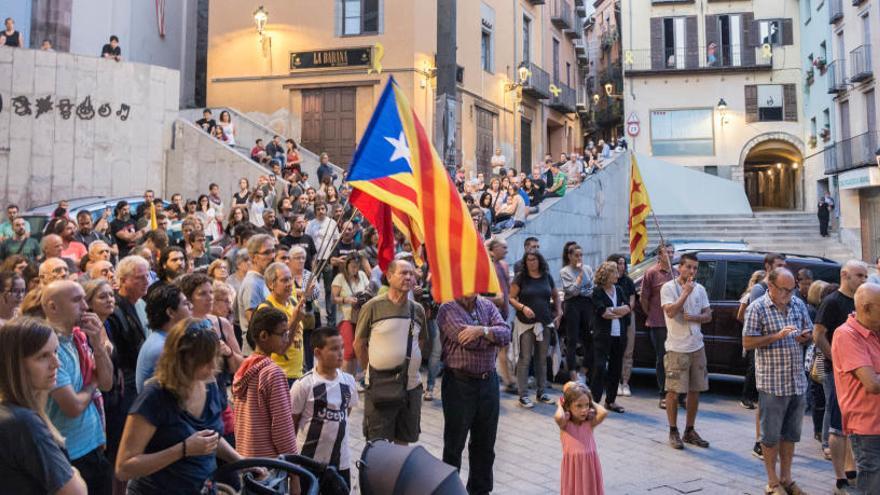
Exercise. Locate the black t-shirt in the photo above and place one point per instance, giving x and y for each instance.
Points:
(536, 293)
(109, 50)
(629, 288)
(207, 125)
(31, 462)
(306, 242)
(13, 39)
(344, 249)
(833, 312)
(119, 225)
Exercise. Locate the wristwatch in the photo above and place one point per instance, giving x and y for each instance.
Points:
(485, 331)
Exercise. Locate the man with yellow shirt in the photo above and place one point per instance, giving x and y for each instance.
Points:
(280, 284)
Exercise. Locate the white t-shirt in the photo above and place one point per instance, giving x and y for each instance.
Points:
(323, 405)
(348, 289)
(615, 323)
(683, 336)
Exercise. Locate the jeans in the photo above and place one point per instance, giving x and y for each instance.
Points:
(816, 400)
(434, 363)
(471, 406)
(607, 366)
(532, 351)
(329, 306)
(750, 387)
(577, 312)
(832, 409)
(658, 340)
(96, 471)
(866, 452)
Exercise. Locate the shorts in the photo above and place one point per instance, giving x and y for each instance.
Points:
(346, 330)
(781, 417)
(397, 422)
(832, 407)
(686, 371)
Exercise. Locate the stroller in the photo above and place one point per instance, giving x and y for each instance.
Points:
(315, 478)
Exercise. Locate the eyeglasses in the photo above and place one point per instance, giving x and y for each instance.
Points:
(268, 252)
(284, 335)
(783, 289)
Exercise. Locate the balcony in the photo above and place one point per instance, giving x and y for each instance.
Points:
(537, 2)
(560, 14)
(566, 101)
(661, 2)
(580, 49)
(836, 76)
(726, 58)
(852, 153)
(835, 11)
(576, 32)
(538, 85)
(860, 64)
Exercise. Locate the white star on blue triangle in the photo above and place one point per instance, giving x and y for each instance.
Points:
(401, 150)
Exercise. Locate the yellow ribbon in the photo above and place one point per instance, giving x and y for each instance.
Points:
(376, 61)
(555, 90)
(628, 57)
(766, 50)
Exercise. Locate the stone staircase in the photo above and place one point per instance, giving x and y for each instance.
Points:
(779, 231)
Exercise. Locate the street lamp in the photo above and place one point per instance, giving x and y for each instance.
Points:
(722, 110)
(596, 99)
(523, 74)
(261, 17)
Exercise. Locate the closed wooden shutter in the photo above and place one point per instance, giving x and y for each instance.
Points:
(789, 102)
(657, 43)
(787, 32)
(712, 30)
(748, 51)
(755, 33)
(692, 42)
(751, 94)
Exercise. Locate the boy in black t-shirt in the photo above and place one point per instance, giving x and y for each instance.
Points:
(207, 122)
(112, 49)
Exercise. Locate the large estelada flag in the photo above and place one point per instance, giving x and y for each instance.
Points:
(397, 178)
(639, 209)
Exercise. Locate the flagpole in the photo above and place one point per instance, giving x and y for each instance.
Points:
(662, 242)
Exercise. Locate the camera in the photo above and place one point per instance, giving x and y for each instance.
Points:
(362, 298)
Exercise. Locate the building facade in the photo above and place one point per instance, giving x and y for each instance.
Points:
(716, 86)
(603, 34)
(315, 70)
(851, 160)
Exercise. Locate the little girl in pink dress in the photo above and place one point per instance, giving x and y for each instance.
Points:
(577, 415)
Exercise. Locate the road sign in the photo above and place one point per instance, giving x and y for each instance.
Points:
(633, 126)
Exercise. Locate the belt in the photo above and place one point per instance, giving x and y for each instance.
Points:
(467, 375)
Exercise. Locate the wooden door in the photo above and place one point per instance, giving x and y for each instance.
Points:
(869, 206)
(328, 122)
(525, 152)
(485, 140)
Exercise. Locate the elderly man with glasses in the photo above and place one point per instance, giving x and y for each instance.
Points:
(777, 327)
(254, 290)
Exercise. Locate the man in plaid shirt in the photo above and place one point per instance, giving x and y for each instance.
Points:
(776, 327)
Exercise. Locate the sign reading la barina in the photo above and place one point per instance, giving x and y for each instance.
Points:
(323, 59)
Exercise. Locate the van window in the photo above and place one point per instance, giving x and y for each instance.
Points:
(738, 275)
(828, 273)
(705, 275)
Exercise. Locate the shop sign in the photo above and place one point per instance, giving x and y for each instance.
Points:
(860, 177)
(327, 59)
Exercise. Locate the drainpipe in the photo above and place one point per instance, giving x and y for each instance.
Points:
(447, 68)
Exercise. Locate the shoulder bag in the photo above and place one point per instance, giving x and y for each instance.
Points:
(388, 387)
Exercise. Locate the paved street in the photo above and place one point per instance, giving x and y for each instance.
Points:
(634, 454)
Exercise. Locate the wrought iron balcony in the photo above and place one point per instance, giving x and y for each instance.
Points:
(860, 64)
(538, 84)
(537, 2)
(565, 101)
(836, 76)
(855, 152)
(835, 11)
(724, 58)
(560, 14)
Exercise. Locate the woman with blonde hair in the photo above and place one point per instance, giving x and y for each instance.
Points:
(172, 435)
(611, 314)
(32, 455)
(744, 298)
(218, 270)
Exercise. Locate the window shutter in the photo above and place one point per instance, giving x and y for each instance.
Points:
(748, 52)
(657, 43)
(712, 31)
(755, 33)
(751, 94)
(789, 102)
(692, 42)
(787, 32)
(337, 17)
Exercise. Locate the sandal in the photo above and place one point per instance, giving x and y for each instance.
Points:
(428, 396)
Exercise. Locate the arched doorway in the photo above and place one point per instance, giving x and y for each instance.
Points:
(773, 174)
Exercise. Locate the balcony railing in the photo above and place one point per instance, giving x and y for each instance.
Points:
(566, 100)
(724, 57)
(855, 152)
(538, 84)
(835, 11)
(537, 2)
(860, 64)
(580, 49)
(560, 14)
(836, 76)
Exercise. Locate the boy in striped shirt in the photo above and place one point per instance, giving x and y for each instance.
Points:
(322, 401)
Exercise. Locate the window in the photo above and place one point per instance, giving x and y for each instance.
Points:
(360, 17)
(813, 130)
(555, 60)
(486, 50)
(674, 42)
(771, 32)
(527, 39)
(826, 118)
(568, 73)
(682, 132)
(770, 102)
(730, 32)
(706, 275)
(738, 275)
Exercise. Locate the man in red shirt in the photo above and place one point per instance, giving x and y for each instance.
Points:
(855, 352)
(655, 322)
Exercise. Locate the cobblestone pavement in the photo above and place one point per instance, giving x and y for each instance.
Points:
(632, 447)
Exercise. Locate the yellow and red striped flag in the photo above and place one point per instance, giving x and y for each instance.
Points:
(639, 209)
(397, 178)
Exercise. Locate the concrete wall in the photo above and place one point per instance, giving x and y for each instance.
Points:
(47, 157)
(595, 215)
(196, 159)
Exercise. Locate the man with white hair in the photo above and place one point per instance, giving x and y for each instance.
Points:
(832, 313)
(253, 291)
(102, 269)
(53, 269)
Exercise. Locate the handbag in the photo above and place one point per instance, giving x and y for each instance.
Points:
(817, 368)
(388, 387)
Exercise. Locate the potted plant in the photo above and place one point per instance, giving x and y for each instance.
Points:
(820, 64)
(812, 141)
(811, 73)
(826, 133)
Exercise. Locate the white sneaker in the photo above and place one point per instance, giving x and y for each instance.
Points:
(626, 391)
(620, 390)
(581, 378)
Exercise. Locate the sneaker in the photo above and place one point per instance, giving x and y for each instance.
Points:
(545, 398)
(747, 404)
(675, 440)
(526, 403)
(582, 378)
(774, 490)
(511, 388)
(693, 438)
(757, 451)
(361, 385)
(620, 390)
(428, 396)
(662, 404)
(626, 391)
